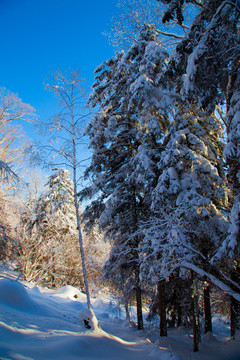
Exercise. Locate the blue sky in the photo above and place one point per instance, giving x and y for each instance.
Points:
(39, 35)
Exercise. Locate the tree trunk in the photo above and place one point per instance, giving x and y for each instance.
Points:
(127, 310)
(179, 315)
(82, 254)
(139, 307)
(235, 305)
(195, 321)
(233, 174)
(207, 309)
(162, 308)
(235, 318)
(80, 238)
(195, 317)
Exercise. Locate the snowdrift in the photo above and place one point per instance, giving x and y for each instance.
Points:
(37, 323)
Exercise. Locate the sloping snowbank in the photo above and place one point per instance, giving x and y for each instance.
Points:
(42, 324)
(38, 323)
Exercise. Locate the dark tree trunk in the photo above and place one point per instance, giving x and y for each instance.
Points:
(196, 335)
(195, 316)
(207, 310)
(234, 165)
(139, 307)
(235, 316)
(179, 315)
(235, 304)
(162, 308)
(127, 310)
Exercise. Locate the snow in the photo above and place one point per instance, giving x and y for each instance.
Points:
(230, 244)
(199, 50)
(89, 319)
(39, 323)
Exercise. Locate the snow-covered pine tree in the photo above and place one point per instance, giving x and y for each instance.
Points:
(188, 226)
(50, 251)
(125, 137)
(57, 200)
(209, 56)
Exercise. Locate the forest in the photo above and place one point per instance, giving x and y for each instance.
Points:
(153, 215)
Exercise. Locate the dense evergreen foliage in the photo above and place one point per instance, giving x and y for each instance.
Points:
(158, 155)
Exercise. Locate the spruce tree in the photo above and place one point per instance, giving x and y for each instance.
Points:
(125, 137)
(50, 252)
(208, 57)
(187, 226)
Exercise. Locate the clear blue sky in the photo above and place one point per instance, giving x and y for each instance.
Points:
(39, 35)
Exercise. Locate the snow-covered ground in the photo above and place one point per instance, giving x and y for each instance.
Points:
(42, 324)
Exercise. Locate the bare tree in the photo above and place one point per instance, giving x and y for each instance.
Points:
(12, 155)
(67, 139)
(12, 108)
(12, 146)
(133, 15)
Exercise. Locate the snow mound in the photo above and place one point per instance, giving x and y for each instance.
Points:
(14, 294)
(209, 338)
(70, 292)
(88, 317)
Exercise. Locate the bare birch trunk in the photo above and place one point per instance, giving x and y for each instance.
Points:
(80, 238)
(70, 120)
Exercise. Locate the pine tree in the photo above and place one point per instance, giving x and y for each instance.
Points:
(125, 136)
(190, 192)
(209, 56)
(50, 252)
(188, 224)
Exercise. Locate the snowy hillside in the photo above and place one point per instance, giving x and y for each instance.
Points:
(38, 323)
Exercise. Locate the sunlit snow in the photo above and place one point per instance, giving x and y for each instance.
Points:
(39, 323)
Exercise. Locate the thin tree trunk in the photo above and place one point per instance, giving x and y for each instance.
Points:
(195, 324)
(138, 286)
(207, 309)
(179, 315)
(235, 304)
(162, 308)
(127, 310)
(233, 174)
(195, 317)
(139, 307)
(80, 238)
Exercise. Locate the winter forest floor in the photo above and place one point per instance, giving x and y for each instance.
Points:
(42, 324)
